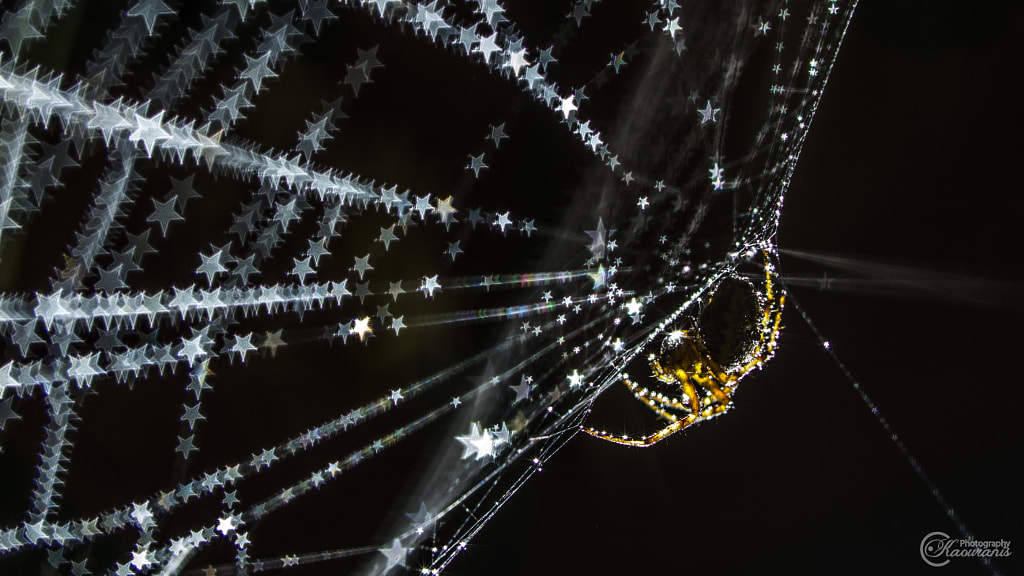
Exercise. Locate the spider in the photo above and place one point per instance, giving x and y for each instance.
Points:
(738, 329)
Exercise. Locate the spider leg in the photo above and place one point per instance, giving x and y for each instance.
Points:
(765, 349)
(722, 394)
(716, 383)
(661, 405)
(715, 410)
(647, 397)
(712, 384)
(677, 425)
(646, 441)
(716, 370)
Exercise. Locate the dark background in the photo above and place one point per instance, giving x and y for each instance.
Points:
(912, 160)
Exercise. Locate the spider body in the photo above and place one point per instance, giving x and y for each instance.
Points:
(735, 333)
(685, 361)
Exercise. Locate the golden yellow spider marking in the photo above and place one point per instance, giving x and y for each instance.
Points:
(685, 362)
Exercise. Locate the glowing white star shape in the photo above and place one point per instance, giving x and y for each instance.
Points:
(575, 379)
(395, 554)
(478, 443)
(226, 525)
(362, 328)
(568, 106)
(430, 285)
(633, 307)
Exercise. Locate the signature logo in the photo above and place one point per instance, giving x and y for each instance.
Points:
(937, 548)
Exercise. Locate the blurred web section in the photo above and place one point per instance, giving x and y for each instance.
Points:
(884, 279)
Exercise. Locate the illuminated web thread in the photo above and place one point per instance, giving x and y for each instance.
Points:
(961, 526)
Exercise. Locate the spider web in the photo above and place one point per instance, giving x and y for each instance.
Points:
(368, 260)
